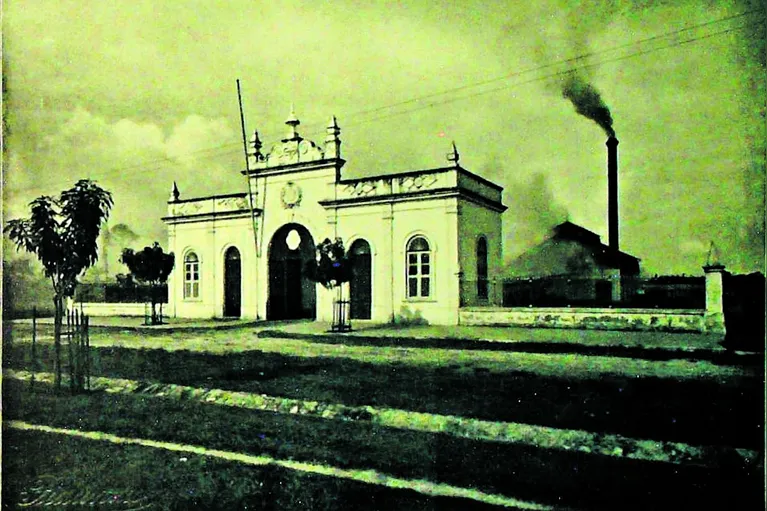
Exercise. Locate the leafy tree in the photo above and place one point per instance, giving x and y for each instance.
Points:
(63, 232)
(151, 266)
(332, 267)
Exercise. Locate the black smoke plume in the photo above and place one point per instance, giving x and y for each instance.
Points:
(588, 102)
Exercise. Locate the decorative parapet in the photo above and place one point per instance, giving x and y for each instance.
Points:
(362, 188)
(223, 204)
(418, 182)
(396, 184)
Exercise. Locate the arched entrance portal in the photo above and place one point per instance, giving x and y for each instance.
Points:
(361, 282)
(291, 294)
(232, 283)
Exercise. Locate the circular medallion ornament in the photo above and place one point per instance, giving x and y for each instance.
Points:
(290, 196)
(293, 240)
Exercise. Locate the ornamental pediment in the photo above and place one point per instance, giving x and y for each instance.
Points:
(288, 152)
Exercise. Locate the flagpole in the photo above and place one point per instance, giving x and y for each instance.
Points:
(250, 194)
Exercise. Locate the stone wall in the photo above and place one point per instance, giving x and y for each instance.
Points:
(589, 318)
(113, 309)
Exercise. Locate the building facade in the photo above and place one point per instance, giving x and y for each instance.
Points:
(414, 238)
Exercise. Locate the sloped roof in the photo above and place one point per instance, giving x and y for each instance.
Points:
(571, 249)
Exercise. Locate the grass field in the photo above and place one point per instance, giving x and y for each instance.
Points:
(135, 477)
(640, 399)
(694, 411)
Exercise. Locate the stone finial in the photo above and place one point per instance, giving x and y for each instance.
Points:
(453, 156)
(332, 139)
(256, 145)
(292, 121)
(174, 193)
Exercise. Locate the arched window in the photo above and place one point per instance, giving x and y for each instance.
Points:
(418, 268)
(482, 290)
(191, 276)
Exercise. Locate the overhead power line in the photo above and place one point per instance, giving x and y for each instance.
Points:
(572, 64)
(557, 74)
(553, 64)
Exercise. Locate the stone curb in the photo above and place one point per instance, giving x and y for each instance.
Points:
(720, 355)
(473, 429)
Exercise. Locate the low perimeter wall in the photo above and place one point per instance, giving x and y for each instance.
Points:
(112, 309)
(679, 320)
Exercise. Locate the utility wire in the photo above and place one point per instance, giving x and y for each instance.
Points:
(217, 151)
(545, 77)
(547, 66)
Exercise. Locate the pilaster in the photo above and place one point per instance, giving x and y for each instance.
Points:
(714, 314)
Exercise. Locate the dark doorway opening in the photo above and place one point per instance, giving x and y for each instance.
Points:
(232, 283)
(291, 294)
(482, 283)
(360, 286)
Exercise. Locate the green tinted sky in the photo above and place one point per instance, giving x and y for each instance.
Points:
(137, 94)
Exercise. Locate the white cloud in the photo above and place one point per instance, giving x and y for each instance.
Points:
(137, 161)
(131, 135)
(196, 134)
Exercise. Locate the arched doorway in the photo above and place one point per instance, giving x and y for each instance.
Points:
(291, 294)
(232, 283)
(361, 282)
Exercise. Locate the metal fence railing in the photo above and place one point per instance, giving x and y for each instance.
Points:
(670, 292)
(341, 317)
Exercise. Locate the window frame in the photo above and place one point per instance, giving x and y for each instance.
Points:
(422, 258)
(191, 286)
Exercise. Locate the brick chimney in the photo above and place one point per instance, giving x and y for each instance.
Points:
(612, 192)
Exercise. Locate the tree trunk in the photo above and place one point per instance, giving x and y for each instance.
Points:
(153, 297)
(58, 302)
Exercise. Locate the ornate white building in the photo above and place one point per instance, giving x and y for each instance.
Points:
(417, 238)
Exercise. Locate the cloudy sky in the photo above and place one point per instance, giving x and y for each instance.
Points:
(138, 94)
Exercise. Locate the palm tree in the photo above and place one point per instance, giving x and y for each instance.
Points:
(63, 232)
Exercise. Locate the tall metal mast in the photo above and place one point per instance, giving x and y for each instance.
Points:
(250, 194)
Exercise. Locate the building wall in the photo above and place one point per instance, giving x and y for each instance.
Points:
(437, 221)
(372, 224)
(452, 232)
(315, 185)
(476, 221)
(210, 240)
(352, 210)
(388, 228)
